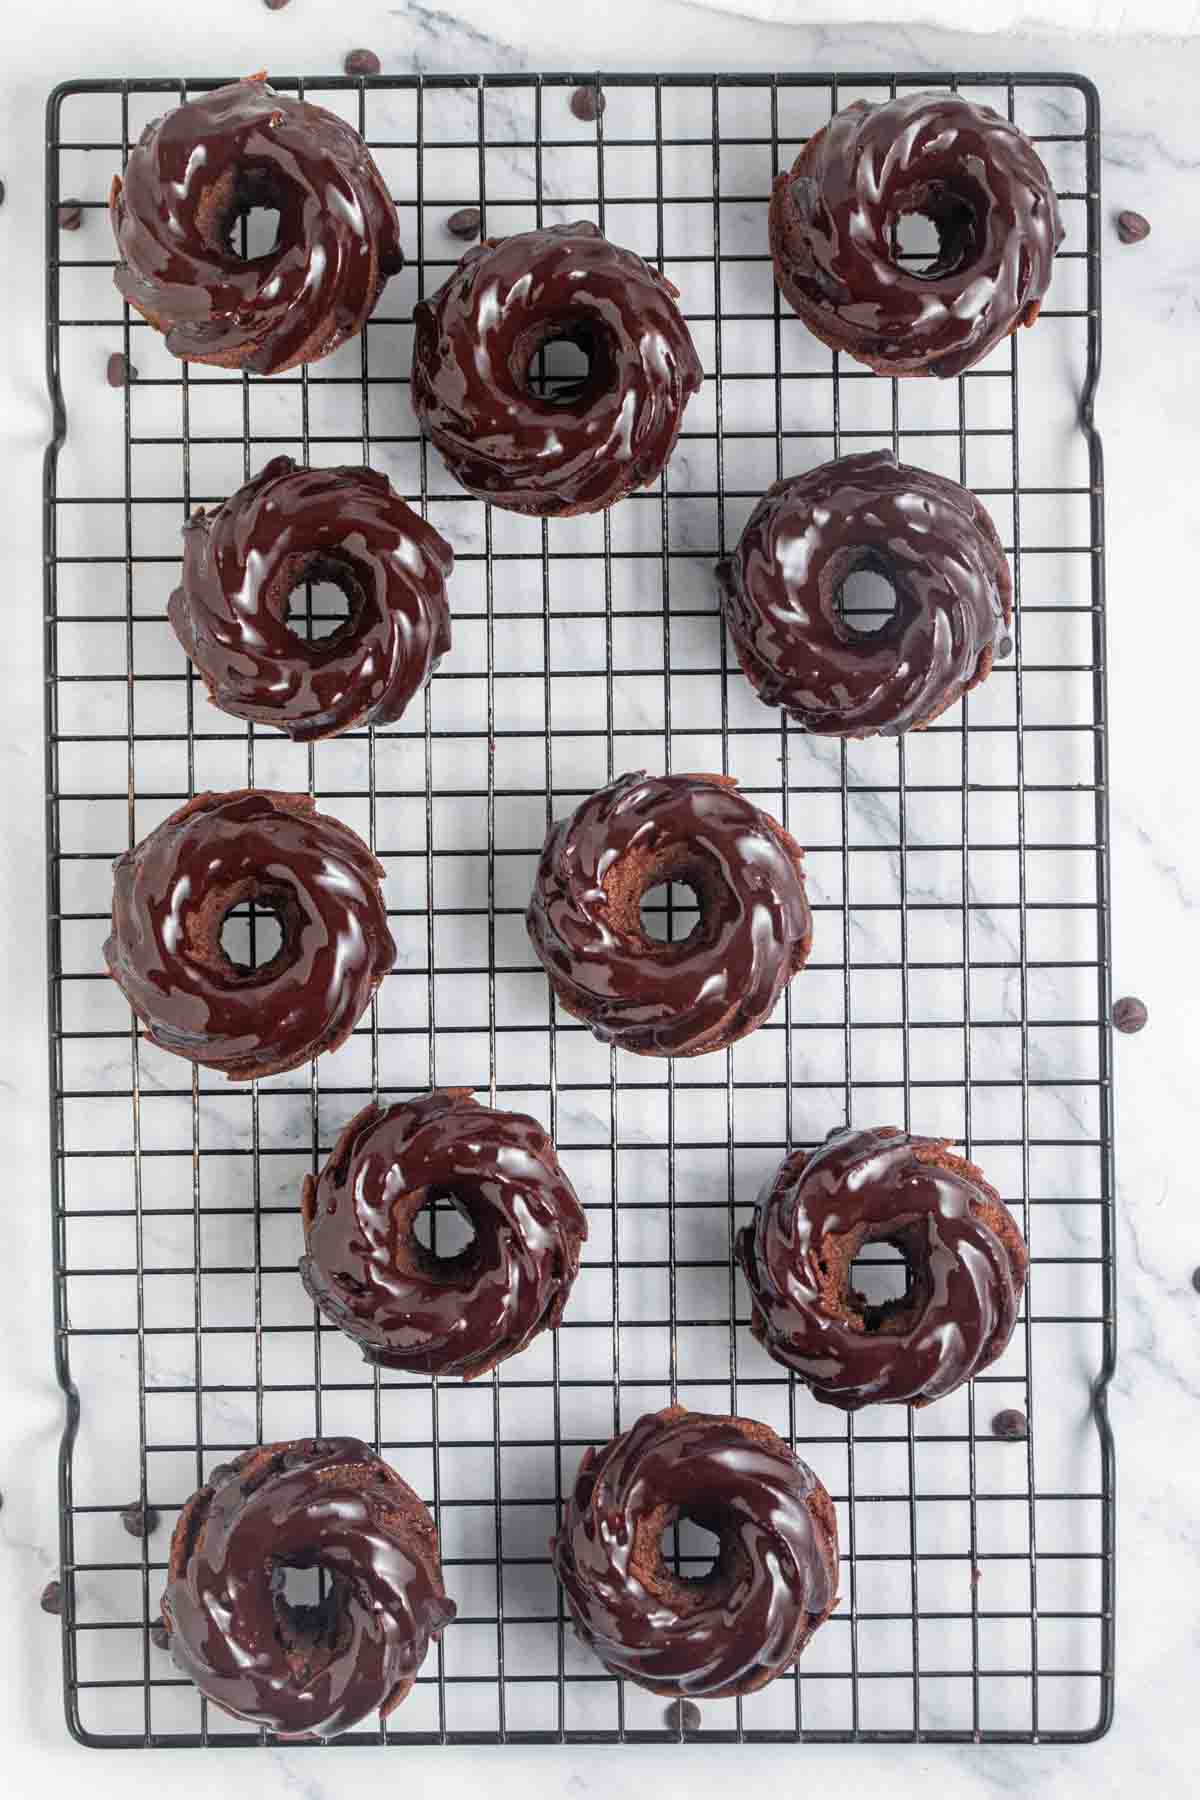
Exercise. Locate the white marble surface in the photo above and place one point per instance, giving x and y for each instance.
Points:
(1166, 18)
(1150, 401)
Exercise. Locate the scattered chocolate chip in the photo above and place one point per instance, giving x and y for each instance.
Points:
(362, 62)
(1129, 1014)
(1010, 1424)
(587, 103)
(683, 1715)
(275, 5)
(70, 215)
(1196, 1280)
(139, 1520)
(51, 1601)
(464, 223)
(120, 372)
(1132, 227)
(3, 192)
(1004, 647)
(159, 1635)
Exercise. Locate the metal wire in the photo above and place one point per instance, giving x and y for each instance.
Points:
(954, 987)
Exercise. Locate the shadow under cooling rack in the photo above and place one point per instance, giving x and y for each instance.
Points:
(959, 983)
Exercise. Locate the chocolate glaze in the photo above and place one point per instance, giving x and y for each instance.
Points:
(930, 538)
(287, 526)
(775, 1581)
(966, 1268)
(587, 446)
(311, 1671)
(972, 173)
(723, 980)
(408, 1309)
(171, 895)
(189, 177)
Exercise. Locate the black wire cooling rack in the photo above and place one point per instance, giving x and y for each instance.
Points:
(959, 982)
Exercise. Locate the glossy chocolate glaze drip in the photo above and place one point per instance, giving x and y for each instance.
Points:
(579, 450)
(964, 1251)
(314, 1671)
(187, 179)
(287, 526)
(172, 893)
(930, 538)
(677, 999)
(979, 180)
(412, 1310)
(774, 1583)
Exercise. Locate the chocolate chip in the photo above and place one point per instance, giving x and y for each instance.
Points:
(1129, 1014)
(3, 192)
(138, 1520)
(587, 103)
(120, 372)
(51, 1601)
(1010, 1424)
(362, 62)
(70, 215)
(275, 5)
(683, 1715)
(1196, 1280)
(464, 223)
(1132, 227)
(159, 1635)
(1004, 647)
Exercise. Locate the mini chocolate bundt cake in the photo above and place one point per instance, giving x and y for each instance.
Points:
(588, 443)
(781, 596)
(964, 1254)
(980, 182)
(172, 894)
(774, 1582)
(315, 1670)
(292, 525)
(193, 174)
(720, 982)
(411, 1309)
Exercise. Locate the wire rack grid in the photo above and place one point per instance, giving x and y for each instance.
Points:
(959, 982)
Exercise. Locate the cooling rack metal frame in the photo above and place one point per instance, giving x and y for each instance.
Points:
(929, 1657)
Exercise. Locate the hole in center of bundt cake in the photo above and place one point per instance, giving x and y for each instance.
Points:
(664, 897)
(933, 229)
(240, 215)
(866, 600)
(670, 911)
(686, 1556)
(319, 598)
(562, 361)
(255, 232)
(443, 1228)
(299, 1589)
(309, 1613)
(883, 1280)
(318, 609)
(252, 935)
(560, 369)
(690, 1551)
(251, 925)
